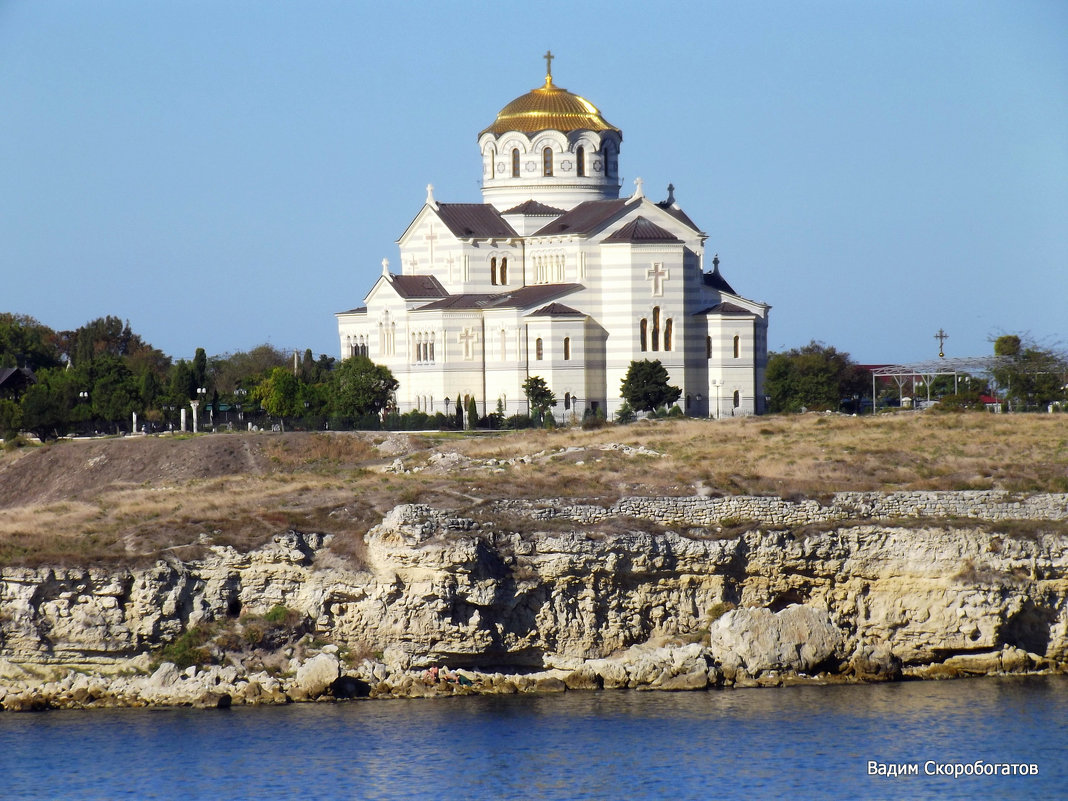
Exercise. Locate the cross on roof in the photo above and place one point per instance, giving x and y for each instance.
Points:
(549, 65)
(941, 336)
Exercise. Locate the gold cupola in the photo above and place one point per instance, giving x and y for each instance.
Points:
(550, 146)
(549, 108)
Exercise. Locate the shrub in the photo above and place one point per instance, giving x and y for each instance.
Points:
(189, 649)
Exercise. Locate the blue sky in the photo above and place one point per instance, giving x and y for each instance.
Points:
(224, 174)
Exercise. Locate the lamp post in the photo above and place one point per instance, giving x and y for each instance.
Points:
(717, 383)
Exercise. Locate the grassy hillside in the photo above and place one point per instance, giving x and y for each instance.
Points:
(140, 498)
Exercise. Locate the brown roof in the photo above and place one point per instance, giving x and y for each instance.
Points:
(725, 308)
(642, 230)
(522, 298)
(717, 281)
(528, 296)
(556, 310)
(677, 213)
(533, 208)
(357, 310)
(417, 286)
(585, 218)
(474, 221)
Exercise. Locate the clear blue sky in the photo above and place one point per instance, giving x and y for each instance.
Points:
(224, 174)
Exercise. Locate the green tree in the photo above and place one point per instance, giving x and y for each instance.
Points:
(200, 368)
(279, 394)
(362, 387)
(10, 418)
(104, 335)
(183, 387)
(814, 377)
(24, 342)
(472, 412)
(48, 406)
(245, 368)
(645, 386)
(539, 396)
(113, 391)
(459, 414)
(1030, 376)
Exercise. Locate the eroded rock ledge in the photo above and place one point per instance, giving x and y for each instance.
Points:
(653, 593)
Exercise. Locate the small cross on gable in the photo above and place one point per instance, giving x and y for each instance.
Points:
(431, 237)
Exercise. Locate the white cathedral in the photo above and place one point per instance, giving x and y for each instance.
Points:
(555, 275)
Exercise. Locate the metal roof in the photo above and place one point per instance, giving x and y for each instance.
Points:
(585, 218)
(557, 310)
(417, 286)
(532, 208)
(547, 108)
(677, 213)
(717, 281)
(475, 221)
(522, 298)
(725, 308)
(642, 230)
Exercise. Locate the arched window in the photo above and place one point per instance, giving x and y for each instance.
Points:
(515, 163)
(567, 348)
(656, 328)
(504, 270)
(580, 161)
(643, 330)
(567, 400)
(538, 350)
(547, 162)
(708, 347)
(493, 159)
(737, 349)
(667, 334)
(493, 271)
(737, 399)
(609, 161)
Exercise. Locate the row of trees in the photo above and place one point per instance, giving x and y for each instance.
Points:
(96, 377)
(1026, 376)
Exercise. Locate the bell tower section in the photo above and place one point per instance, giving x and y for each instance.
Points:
(550, 146)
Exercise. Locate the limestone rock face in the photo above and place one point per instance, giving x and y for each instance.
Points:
(623, 605)
(799, 639)
(316, 676)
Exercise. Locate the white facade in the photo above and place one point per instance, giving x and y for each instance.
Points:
(555, 275)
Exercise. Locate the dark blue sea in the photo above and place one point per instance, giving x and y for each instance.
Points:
(792, 743)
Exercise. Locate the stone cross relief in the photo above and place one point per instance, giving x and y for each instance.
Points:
(468, 339)
(451, 262)
(658, 275)
(430, 238)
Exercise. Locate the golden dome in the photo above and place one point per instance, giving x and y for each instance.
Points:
(549, 108)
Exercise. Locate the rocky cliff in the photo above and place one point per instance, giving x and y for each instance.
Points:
(656, 593)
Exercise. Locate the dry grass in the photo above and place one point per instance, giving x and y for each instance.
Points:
(137, 499)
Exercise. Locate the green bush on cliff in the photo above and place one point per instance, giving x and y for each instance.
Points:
(188, 649)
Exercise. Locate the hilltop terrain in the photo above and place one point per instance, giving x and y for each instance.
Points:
(132, 499)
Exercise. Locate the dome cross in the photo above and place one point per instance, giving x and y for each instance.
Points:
(548, 66)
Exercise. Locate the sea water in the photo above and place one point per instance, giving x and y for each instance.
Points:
(800, 742)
